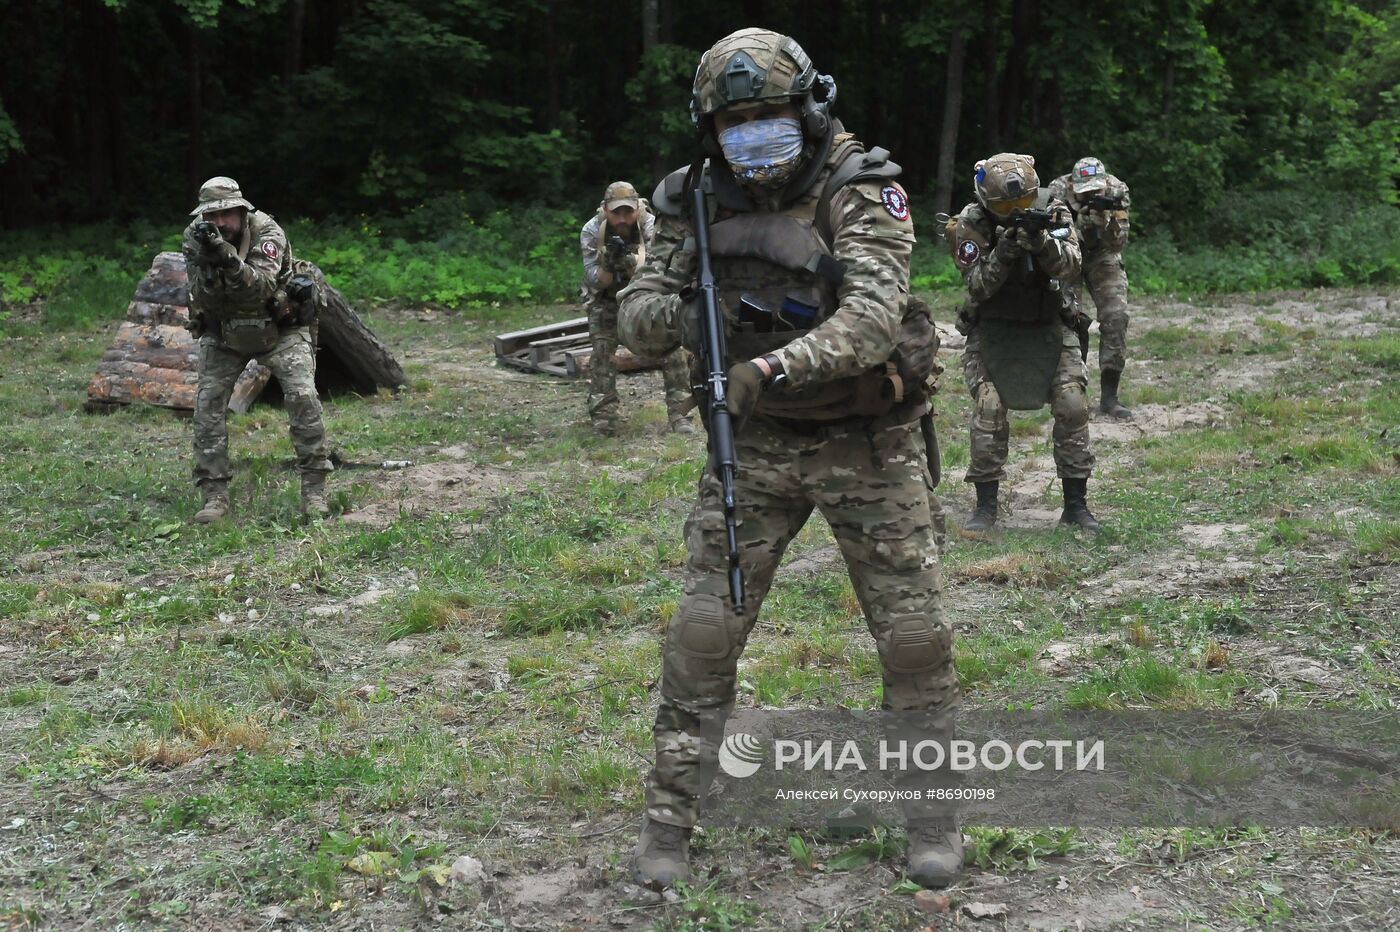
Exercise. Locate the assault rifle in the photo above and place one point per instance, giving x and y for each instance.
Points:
(206, 234)
(1036, 221)
(713, 359)
(1102, 202)
(616, 247)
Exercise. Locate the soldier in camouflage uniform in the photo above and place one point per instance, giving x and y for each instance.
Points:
(614, 243)
(1013, 277)
(249, 299)
(1100, 204)
(810, 241)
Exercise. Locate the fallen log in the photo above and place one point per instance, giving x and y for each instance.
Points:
(154, 360)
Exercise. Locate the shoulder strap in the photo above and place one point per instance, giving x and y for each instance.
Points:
(669, 196)
(853, 164)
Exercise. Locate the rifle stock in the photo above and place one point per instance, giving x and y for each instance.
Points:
(719, 424)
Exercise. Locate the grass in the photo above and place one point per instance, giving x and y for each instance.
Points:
(499, 700)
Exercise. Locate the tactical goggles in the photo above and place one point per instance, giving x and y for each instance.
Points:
(1008, 207)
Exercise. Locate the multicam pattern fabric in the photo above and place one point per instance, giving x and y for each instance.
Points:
(988, 426)
(293, 364)
(601, 304)
(1103, 234)
(221, 296)
(867, 475)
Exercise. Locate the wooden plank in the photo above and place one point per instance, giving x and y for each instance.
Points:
(508, 343)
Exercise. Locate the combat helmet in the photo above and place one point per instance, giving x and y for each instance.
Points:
(219, 193)
(1088, 175)
(1006, 183)
(758, 66)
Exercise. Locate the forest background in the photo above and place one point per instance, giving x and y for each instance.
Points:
(445, 152)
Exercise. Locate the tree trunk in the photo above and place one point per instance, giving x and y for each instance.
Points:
(195, 156)
(291, 48)
(1013, 81)
(952, 110)
(651, 38)
(551, 58)
(991, 90)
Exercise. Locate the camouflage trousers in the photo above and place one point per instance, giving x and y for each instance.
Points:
(1108, 285)
(293, 364)
(870, 481)
(990, 431)
(602, 368)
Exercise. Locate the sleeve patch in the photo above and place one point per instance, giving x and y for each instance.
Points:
(269, 249)
(895, 201)
(967, 253)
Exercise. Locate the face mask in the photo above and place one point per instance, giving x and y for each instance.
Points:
(765, 152)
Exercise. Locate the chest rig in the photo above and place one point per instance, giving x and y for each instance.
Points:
(236, 316)
(1029, 296)
(778, 279)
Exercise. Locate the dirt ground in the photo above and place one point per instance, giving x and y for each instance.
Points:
(543, 870)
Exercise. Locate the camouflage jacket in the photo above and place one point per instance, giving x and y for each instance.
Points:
(1099, 230)
(244, 292)
(593, 245)
(973, 236)
(855, 325)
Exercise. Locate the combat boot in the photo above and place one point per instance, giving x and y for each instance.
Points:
(313, 496)
(935, 855)
(984, 513)
(1108, 396)
(1077, 513)
(682, 424)
(663, 855)
(216, 506)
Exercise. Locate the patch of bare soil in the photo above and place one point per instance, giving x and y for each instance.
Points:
(443, 487)
(1331, 312)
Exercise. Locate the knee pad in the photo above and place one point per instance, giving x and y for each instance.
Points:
(987, 410)
(703, 628)
(917, 644)
(1070, 406)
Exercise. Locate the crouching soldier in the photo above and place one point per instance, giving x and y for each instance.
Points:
(249, 299)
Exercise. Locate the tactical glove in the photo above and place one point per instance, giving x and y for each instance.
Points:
(746, 383)
(1032, 241)
(626, 266)
(1008, 249)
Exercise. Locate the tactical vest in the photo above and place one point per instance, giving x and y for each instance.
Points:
(235, 317)
(778, 280)
(1029, 296)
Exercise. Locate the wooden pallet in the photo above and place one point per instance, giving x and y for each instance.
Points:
(561, 349)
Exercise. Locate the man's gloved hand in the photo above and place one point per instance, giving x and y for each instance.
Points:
(196, 325)
(626, 265)
(214, 251)
(746, 383)
(1032, 241)
(1008, 248)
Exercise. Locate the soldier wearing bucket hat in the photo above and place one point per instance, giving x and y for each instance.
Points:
(1100, 204)
(614, 243)
(249, 299)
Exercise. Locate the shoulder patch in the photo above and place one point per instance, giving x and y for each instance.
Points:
(895, 201)
(269, 249)
(967, 253)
